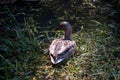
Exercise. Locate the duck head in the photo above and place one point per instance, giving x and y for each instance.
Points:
(66, 27)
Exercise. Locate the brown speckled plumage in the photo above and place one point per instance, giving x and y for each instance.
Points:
(62, 48)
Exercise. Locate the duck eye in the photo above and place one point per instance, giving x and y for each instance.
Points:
(62, 26)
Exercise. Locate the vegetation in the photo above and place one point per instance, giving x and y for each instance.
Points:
(26, 33)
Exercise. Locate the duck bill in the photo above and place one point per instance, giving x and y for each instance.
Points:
(58, 28)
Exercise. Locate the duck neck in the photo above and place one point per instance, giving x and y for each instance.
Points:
(68, 33)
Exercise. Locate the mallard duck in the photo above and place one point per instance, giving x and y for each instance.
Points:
(61, 49)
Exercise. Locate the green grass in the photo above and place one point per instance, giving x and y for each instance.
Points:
(24, 53)
(93, 61)
(27, 57)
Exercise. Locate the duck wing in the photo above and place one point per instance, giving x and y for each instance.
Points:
(60, 47)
